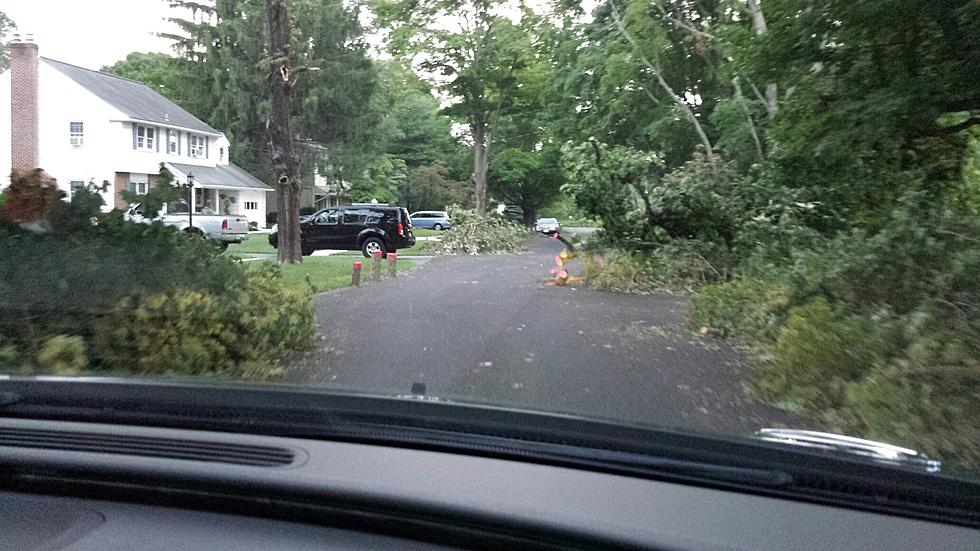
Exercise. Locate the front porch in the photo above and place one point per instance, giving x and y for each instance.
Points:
(224, 189)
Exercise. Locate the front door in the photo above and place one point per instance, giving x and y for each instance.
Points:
(322, 231)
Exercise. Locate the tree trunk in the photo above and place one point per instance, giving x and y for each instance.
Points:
(772, 91)
(480, 148)
(285, 163)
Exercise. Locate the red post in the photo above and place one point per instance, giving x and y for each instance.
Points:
(392, 264)
(376, 266)
(356, 277)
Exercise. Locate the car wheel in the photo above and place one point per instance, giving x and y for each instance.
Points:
(305, 250)
(437, 227)
(372, 245)
(223, 245)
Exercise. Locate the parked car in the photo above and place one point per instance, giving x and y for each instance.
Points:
(547, 225)
(223, 228)
(434, 219)
(368, 228)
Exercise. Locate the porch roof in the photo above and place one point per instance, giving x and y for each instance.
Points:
(220, 177)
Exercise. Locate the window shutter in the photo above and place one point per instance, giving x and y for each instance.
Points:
(206, 142)
(134, 136)
(157, 140)
(188, 144)
(180, 136)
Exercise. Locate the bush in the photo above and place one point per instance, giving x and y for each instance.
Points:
(194, 333)
(472, 235)
(817, 353)
(271, 218)
(673, 266)
(97, 293)
(750, 308)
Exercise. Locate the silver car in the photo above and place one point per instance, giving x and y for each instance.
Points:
(547, 225)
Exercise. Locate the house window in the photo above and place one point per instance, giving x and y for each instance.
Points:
(139, 183)
(74, 186)
(221, 154)
(197, 146)
(251, 205)
(145, 137)
(76, 133)
(171, 142)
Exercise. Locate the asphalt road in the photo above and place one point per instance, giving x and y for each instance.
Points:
(487, 329)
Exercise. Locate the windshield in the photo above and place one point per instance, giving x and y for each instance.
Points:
(715, 217)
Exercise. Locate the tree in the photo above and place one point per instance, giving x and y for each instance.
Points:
(473, 61)
(530, 180)
(285, 163)
(7, 26)
(225, 45)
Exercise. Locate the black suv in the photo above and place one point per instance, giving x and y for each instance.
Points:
(369, 228)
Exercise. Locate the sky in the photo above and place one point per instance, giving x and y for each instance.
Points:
(92, 33)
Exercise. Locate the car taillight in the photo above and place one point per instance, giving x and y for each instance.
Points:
(224, 225)
(401, 229)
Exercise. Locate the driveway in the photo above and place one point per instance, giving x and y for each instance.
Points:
(488, 329)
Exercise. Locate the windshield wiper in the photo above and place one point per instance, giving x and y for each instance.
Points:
(877, 451)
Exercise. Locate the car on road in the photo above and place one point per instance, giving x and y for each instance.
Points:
(368, 228)
(547, 225)
(432, 219)
(223, 228)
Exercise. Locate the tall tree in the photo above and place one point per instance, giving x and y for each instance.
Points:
(7, 26)
(282, 79)
(471, 53)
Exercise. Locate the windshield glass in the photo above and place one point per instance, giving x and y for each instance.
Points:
(717, 217)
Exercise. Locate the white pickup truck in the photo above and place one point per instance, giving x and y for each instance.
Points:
(223, 228)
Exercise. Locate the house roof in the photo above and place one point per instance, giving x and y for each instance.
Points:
(221, 176)
(135, 99)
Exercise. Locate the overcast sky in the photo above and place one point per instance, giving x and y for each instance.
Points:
(92, 33)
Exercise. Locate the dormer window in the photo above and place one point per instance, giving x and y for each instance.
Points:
(76, 133)
(221, 154)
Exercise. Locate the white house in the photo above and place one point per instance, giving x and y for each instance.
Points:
(81, 125)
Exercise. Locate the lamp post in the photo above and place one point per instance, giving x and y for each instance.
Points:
(190, 200)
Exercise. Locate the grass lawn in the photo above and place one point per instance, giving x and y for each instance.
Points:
(329, 272)
(257, 243)
(425, 232)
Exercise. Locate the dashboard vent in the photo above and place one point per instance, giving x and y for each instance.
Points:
(167, 448)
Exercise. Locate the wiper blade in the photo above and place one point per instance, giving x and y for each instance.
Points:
(877, 451)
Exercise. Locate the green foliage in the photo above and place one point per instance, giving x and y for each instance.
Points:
(529, 180)
(674, 266)
(816, 353)
(7, 26)
(95, 293)
(473, 235)
(63, 355)
(195, 333)
(163, 192)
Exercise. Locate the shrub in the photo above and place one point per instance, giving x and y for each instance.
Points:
(816, 354)
(673, 266)
(194, 333)
(253, 225)
(63, 355)
(472, 235)
(752, 309)
(101, 293)
(271, 218)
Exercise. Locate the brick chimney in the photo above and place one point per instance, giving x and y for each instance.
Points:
(23, 103)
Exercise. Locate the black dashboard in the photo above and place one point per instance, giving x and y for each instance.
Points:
(87, 486)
